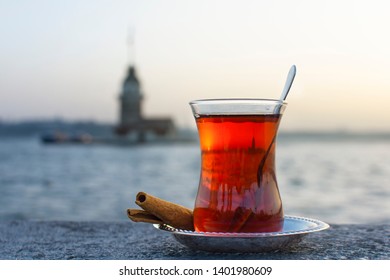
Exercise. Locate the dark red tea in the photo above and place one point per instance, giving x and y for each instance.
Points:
(238, 191)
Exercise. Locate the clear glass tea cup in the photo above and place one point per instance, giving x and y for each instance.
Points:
(238, 190)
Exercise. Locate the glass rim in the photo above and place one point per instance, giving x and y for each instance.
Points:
(238, 100)
(237, 106)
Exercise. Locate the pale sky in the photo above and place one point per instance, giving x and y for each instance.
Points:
(68, 58)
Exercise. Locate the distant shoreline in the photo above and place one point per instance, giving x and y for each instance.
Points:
(36, 128)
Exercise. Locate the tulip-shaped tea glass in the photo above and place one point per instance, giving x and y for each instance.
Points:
(238, 191)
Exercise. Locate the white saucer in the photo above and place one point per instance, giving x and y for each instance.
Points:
(294, 229)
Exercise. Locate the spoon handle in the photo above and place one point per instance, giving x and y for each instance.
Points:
(289, 81)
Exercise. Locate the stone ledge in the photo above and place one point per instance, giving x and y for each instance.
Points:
(52, 240)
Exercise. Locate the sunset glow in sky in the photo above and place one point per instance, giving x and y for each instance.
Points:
(67, 59)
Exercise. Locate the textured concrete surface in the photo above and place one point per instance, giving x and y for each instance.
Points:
(127, 240)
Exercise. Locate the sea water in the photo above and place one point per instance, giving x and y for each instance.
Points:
(336, 180)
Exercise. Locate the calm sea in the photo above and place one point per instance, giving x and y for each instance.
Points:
(333, 179)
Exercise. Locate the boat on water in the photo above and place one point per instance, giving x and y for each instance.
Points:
(63, 138)
(130, 139)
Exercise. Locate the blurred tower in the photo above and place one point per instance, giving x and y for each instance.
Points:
(130, 100)
(131, 119)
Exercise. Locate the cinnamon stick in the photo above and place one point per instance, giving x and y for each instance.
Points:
(137, 215)
(169, 213)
